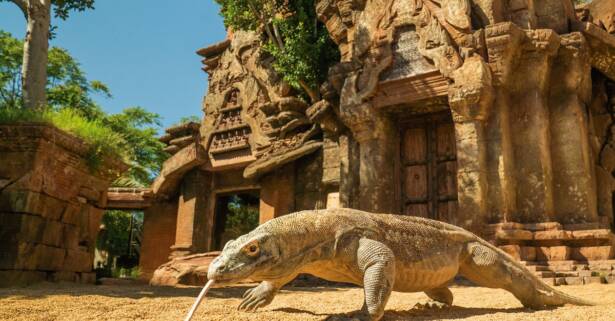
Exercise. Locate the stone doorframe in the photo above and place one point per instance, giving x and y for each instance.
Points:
(212, 211)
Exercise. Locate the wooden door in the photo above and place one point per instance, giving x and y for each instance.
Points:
(429, 167)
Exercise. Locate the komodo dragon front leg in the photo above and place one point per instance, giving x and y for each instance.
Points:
(377, 262)
(262, 294)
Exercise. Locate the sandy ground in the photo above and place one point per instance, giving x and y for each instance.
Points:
(135, 302)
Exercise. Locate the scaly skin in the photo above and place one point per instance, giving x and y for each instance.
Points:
(380, 252)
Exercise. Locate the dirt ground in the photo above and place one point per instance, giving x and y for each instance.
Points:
(49, 302)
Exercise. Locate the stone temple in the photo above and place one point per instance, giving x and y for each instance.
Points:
(494, 115)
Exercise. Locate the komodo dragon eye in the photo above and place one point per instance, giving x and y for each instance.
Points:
(251, 249)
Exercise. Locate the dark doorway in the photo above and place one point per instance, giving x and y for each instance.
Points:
(236, 214)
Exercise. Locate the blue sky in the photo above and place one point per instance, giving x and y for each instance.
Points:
(143, 50)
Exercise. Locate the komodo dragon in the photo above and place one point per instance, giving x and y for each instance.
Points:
(380, 252)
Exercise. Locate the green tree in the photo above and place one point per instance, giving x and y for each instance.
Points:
(34, 67)
(115, 238)
(299, 43)
(140, 130)
(66, 84)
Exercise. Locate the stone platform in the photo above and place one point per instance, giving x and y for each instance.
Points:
(560, 253)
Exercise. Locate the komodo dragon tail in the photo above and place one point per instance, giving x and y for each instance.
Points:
(488, 266)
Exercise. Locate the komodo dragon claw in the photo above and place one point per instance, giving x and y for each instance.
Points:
(431, 305)
(257, 297)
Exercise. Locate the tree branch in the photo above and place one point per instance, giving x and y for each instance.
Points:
(278, 38)
(314, 96)
(23, 6)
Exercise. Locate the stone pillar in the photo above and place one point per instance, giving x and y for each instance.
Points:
(471, 98)
(159, 224)
(574, 193)
(193, 230)
(277, 195)
(471, 172)
(503, 43)
(529, 119)
(349, 171)
(377, 138)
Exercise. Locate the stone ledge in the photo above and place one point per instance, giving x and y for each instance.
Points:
(35, 131)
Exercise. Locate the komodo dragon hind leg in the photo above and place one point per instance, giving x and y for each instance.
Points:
(440, 298)
(377, 262)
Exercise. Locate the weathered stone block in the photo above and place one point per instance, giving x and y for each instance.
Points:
(593, 253)
(512, 250)
(518, 235)
(528, 253)
(584, 273)
(574, 281)
(21, 278)
(552, 235)
(553, 253)
(71, 214)
(27, 256)
(592, 280)
(49, 258)
(78, 261)
(19, 201)
(32, 228)
(592, 234)
(543, 226)
(52, 207)
(71, 237)
(53, 233)
(610, 279)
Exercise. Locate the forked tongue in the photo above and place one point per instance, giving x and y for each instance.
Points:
(199, 299)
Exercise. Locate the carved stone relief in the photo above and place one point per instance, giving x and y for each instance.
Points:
(251, 117)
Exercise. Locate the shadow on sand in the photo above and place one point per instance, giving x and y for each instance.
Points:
(136, 291)
(454, 312)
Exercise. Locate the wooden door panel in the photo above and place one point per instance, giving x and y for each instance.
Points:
(445, 133)
(415, 183)
(447, 180)
(414, 148)
(447, 212)
(421, 210)
(429, 167)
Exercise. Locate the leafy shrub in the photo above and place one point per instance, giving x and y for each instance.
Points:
(103, 140)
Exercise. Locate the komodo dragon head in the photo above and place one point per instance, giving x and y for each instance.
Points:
(254, 255)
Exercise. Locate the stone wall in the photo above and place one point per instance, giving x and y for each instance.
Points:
(51, 205)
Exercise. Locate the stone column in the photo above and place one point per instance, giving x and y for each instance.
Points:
(277, 195)
(471, 98)
(529, 120)
(376, 137)
(193, 231)
(503, 46)
(574, 194)
(349, 171)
